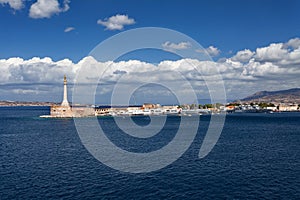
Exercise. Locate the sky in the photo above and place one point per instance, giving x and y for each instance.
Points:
(254, 44)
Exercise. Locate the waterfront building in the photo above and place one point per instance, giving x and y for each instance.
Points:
(283, 107)
(102, 111)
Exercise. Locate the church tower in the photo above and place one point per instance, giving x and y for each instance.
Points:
(65, 99)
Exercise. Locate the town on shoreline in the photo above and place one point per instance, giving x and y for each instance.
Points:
(157, 109)
(65, 110)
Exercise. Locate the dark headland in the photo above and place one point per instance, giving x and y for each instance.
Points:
(280, 96)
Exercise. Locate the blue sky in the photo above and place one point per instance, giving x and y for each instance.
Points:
(229, 25)
(253, 43)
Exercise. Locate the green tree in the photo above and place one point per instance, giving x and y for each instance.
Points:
(208, 106)
(193, 106)
(234, 104)
(218, 105)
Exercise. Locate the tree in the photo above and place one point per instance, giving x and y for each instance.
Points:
(234, 104)
(208, 106)
(218, 105)
(193, 106)
(264, 105)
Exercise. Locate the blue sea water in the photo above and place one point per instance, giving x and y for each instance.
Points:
(256, 157)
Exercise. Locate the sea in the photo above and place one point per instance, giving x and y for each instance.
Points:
(256, 157)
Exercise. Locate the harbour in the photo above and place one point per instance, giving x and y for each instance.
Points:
(256, 157)
(65, 110)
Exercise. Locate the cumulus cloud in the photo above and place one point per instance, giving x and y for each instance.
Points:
(211, 50)
(35, 70)
(69, 29)
(14, 4)
(243, 56)
(294, 43)
(47, 8)
(243, 73)
(272, 53)
(170, 46)
(280, 54)
(116, 22)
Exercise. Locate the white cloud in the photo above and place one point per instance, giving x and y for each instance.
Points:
(14, 4)
(243, 56)
(69, 29)
(116, 22)
(35, 70)
(169, 46)
(294, 43)
(255, 69)
(281, 54)
(47, 8)
(211, 50)
(243, 74)
(272, 53)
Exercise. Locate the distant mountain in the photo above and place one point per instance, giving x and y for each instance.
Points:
(25, 103)
(281, 96)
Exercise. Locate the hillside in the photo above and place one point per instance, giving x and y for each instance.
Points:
(22, 103)
(281, 96)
